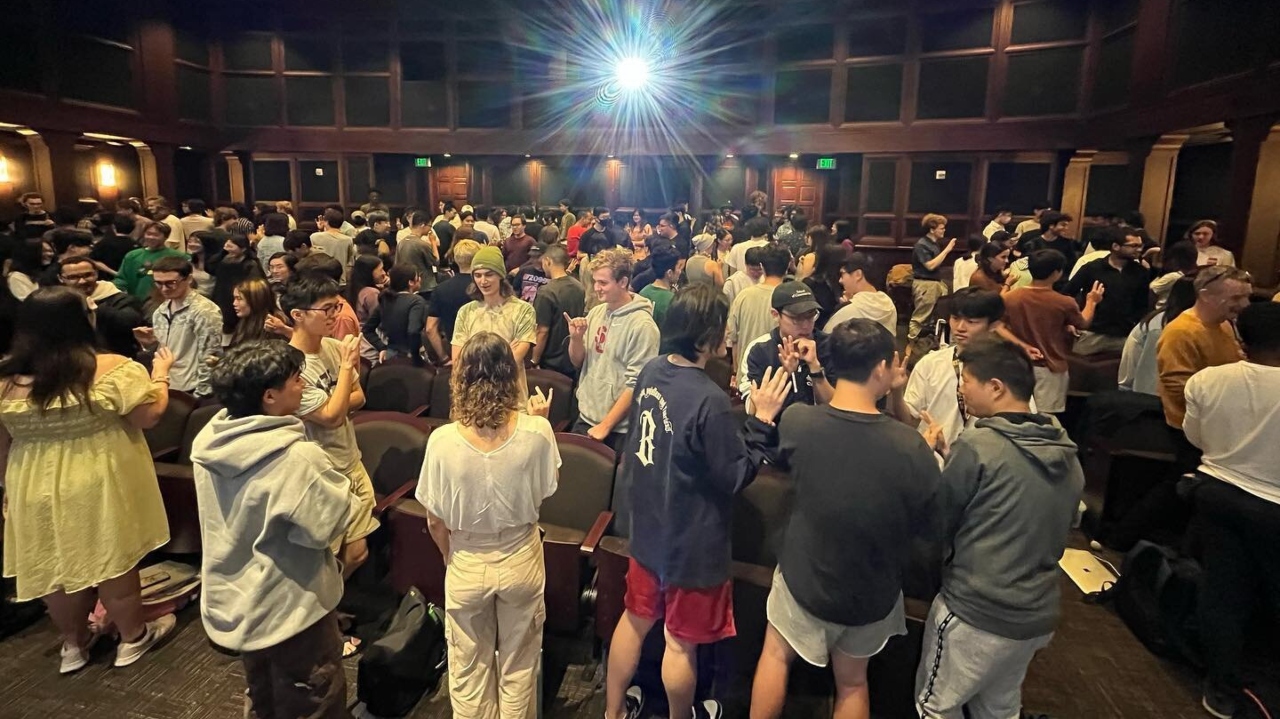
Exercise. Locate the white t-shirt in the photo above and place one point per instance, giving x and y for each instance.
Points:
(487, 492)
(1233, 416)
(1214, 255)
(874, 306)
(934, 387)
(737, 258)
(319, 378)
(177, 233)
(736, 283)
(751, 315)
(961, 271)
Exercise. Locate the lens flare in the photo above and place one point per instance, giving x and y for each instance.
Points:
(632, 73)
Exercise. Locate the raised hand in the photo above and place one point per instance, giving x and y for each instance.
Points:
(934, 434)
(540, 405)
(950, 245)
(577, 326)
(899, 369)
(162, 362)
(789, 355)
(351, 351)
(807, 349)
(770, 396)
(1095, 294)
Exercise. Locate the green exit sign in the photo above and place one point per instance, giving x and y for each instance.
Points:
(421, 162)
(826, 163)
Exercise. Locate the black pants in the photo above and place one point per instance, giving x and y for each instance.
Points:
(1241, 567)
(1161, 514)
(299, 677)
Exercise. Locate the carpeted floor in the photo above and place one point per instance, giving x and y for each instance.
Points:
(1094, 669)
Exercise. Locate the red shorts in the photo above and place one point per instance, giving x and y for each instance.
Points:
(696, 616)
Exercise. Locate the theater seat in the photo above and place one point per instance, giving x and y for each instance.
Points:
(200, 417)
(573, 520)
(392, 445)
(562, 400)
(165, 439)
(399, 388)
(1093, 373)
(177, 485)
(440, 394)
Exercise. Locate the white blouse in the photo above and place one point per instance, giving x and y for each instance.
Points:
(487, 492)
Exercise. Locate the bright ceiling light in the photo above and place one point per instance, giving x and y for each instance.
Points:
(728, 156)
(631, 73)
(794, 156)
(447, 155)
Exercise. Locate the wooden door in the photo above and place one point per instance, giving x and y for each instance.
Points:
(451, 184)
(800, 187)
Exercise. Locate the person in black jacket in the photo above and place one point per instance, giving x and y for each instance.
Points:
(237, 264)
(401, 315)
(116, 313)
(684, 460)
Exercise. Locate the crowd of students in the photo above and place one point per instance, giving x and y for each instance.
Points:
(954, 438)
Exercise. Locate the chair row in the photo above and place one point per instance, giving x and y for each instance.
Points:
(423, 391)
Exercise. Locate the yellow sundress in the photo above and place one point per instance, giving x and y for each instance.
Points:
(84, 504)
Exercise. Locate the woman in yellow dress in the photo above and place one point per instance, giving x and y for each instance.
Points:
(82, 503)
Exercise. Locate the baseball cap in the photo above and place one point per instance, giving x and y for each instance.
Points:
(794, 297)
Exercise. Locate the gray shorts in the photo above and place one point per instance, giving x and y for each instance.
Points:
(813, 639)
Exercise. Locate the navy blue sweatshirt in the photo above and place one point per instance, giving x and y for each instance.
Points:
(684, 461)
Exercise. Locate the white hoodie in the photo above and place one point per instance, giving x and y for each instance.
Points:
(271, 505)
(868, 305)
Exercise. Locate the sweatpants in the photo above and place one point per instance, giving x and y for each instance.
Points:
(1241, 532)
(924, 295)
(963, 666)
(299, 677)
(494, 614)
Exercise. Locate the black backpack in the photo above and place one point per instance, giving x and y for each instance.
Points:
(1157, 596)
(407, 662)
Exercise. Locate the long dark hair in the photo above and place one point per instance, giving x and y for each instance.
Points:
(257, 293)
(1180, 256)
(989, 252)
(250, 253)
(826, 267)
(362, 276)
(53, 342)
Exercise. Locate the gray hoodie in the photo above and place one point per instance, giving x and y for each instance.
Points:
(271, 504)
(617, 344)
(1007, 498)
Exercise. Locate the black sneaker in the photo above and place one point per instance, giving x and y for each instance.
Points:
(1219, 702)
(708, 709)
(634, 702)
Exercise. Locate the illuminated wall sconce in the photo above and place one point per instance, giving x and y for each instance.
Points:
(4, 171)
(106, 175)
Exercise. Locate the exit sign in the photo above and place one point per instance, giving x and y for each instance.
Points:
(826, 163)
(421, 162)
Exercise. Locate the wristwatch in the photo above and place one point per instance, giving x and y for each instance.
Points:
(820, 373)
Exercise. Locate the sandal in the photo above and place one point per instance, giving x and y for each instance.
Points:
(351, 646)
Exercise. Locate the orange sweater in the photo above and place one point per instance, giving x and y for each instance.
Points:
(1187, 346)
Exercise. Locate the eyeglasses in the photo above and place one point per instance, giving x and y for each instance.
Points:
(80, 277)
(167, 284)
(328, 310)
(806, 317)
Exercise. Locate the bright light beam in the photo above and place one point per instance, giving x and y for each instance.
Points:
(631, 73)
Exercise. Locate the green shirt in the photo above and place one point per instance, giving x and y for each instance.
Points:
(661, 299)
(134, 276)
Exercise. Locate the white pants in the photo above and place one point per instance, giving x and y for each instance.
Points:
(494, 614)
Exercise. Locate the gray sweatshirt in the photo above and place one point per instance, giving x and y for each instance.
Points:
(617, 344)
(1007, 498)
(271, 505)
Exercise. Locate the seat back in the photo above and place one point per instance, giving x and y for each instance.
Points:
(561, 414)
(721, 372)
(399, 388)
(392, 446)
(166, 437)
(441, 398)
(586, 483)
(200, 416)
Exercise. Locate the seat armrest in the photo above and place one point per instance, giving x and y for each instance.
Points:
(596, 533)
(165, 454)
(395, 496)
(420, 410)
(169, 470)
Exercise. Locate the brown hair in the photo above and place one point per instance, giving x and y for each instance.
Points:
(262, 303)
(485, 383)
(617, 260)
(932, 221)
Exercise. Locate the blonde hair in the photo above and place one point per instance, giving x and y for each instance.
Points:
(932, 221)
(284, 206)
(464, 252)
(484, 385)
(617, 260)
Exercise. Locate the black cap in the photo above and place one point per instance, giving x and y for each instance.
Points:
(795, 297)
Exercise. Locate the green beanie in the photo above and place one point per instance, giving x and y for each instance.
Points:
(489, 258)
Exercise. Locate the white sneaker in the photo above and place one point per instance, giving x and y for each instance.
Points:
(75, 658)
(129, 652)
